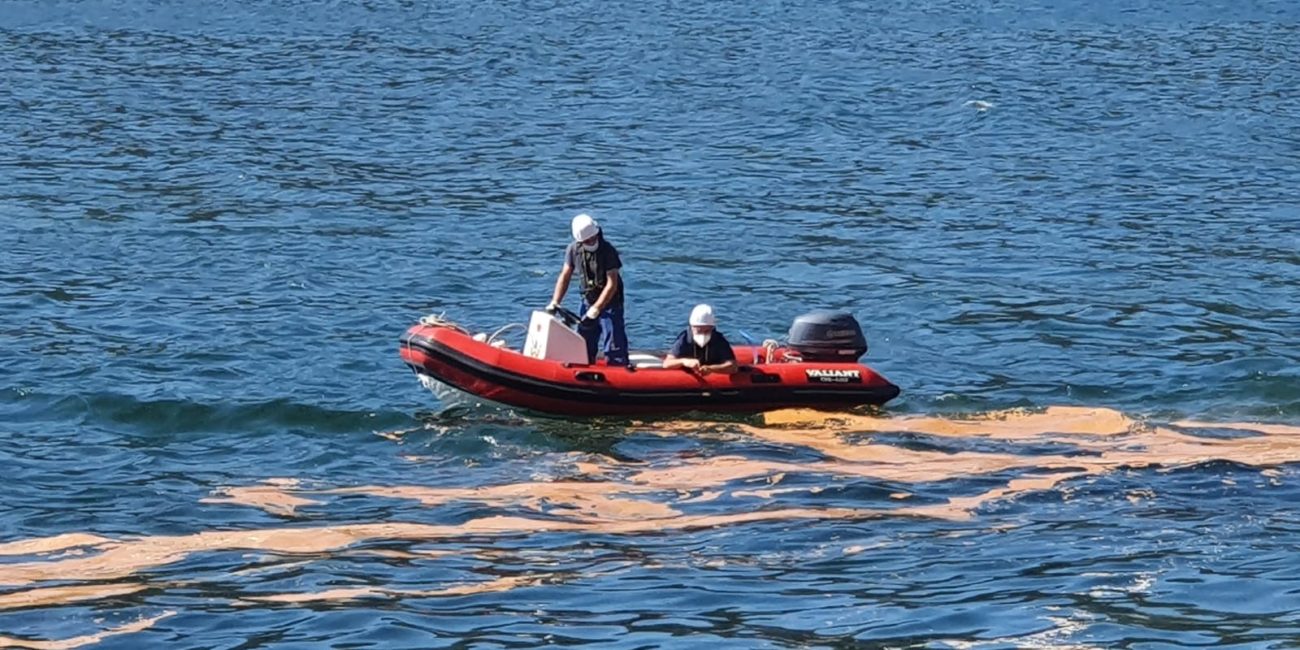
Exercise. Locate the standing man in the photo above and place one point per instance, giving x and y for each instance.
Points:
(598, 264)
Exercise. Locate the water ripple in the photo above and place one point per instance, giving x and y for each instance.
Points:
(217, 223)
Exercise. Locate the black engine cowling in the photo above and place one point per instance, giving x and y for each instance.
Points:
(827, 336)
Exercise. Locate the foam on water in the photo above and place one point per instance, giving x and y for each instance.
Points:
(609, 497)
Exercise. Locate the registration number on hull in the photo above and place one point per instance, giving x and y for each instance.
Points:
(826, 376)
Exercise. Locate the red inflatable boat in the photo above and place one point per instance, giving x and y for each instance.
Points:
(818, 368)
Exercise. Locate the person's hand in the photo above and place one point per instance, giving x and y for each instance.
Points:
(551, 307)
(691, 364)
(593, 313)
(702, 369)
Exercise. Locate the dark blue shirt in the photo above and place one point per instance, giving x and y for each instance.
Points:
(593, 268)
(717, 351)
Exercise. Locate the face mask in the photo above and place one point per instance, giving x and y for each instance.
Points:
(702, 339)
(591, 248)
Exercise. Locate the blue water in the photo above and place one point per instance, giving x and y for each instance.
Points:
(218, 218)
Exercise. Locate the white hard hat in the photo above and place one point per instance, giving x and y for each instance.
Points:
(702, 315)
(584, 227)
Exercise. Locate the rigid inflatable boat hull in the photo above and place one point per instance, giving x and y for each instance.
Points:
(508, 377)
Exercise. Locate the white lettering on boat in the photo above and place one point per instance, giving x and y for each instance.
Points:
(834, 376)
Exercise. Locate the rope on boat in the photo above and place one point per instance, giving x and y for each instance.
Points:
(505, 328)
(441, 320)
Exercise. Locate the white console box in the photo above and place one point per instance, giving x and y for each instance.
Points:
(548, 338)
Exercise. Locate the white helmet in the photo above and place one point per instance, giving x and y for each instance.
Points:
(584, 227)
(702, 315)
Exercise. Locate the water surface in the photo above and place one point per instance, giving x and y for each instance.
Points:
(1071, 234)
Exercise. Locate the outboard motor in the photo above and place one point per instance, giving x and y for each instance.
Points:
(827, 336)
